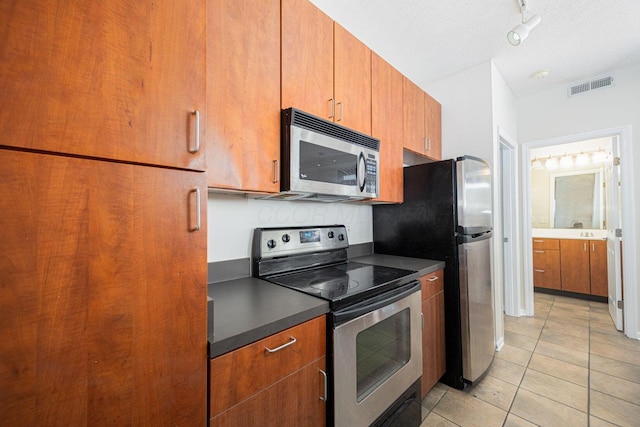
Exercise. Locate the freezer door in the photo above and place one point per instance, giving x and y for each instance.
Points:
(473, 177)
(476, 307)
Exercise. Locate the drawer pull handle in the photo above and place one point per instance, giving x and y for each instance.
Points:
(539, 252)
(433, 279)
(539, 271)
(291, 341)
(324, 378)
(538, 241)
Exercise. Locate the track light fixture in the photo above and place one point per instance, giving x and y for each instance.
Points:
(520, 32)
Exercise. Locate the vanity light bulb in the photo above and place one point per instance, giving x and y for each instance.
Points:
(599, 157)
(582, 159)
(552, 163)
(566, 162)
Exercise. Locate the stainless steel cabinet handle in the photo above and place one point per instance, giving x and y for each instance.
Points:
(432, 279)
(539, 271)
(340, 108)
(593, 247)
(331, 109)
(539, 252)
(276, 171)
(585, 246)
(197, 136)
(538, 241)
(291, 342)
(427, 144)
(198, 219)
(422, 320)
(324, 378)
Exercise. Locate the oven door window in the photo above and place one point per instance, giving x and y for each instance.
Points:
(323, 164)
(381, 350)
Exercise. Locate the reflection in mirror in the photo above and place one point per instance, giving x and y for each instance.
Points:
(577, 200)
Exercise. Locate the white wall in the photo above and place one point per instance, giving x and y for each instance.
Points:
(466, 112)
(475, 103)
(232, 219)
(551, 115)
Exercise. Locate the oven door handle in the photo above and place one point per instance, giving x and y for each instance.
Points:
(375, 303)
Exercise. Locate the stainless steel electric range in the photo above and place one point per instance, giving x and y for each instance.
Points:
(374, 328)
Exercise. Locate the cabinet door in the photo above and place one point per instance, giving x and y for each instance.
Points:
(243, 94)
(413, 113)
(307, 58)
(574, 266)
(102, 293)
(117, 81)
(352, 81)
(433, 334)
(598, 267)
(433, 127)
(386, 125)
(297, 400)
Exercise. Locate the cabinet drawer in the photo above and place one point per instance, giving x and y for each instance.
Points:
(241, 373)
(432, 283)
(546, 278)
(543, 258)
(546, 243)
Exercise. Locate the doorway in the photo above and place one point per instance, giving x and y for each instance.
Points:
(509, 211)
(626, 216)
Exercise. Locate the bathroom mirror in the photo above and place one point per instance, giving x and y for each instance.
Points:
(568, 200)
(576, 200)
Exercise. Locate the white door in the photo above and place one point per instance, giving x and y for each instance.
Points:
(613, 217)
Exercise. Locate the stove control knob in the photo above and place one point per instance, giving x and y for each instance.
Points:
(330, 234)
(341, 237)
(286, 238)
(271, 244)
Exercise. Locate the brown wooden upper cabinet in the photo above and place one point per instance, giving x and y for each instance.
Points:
(131, 96)
(433, 127)
(326, 71)
(386, 125)
(243, 94)
(422, 122)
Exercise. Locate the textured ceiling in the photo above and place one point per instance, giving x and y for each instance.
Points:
(430, 39)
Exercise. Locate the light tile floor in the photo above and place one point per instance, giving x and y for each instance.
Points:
(566, 366)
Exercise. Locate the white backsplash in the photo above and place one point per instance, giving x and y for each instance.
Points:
(232, 219)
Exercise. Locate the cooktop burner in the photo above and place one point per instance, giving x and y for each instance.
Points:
(346, 282)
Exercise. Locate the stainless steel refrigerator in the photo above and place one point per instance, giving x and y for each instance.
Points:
(447, 215)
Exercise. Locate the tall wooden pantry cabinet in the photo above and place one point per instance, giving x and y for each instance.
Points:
(103, 213)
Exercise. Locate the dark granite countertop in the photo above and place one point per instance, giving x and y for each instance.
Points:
(249, 309)
(422, 266)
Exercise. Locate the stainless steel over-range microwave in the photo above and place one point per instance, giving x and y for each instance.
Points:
(325, 161)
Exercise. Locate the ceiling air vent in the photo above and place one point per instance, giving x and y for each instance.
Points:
(594, 84)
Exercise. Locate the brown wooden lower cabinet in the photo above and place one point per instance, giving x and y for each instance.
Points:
(598, 267)
(572, 265)
(102, 293)
(574, 261)
(252, 386)
(433, 338)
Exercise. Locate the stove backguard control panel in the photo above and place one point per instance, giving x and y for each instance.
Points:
(276, 242)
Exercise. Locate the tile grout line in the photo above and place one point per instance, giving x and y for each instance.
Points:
(589, 371)
(527, 367)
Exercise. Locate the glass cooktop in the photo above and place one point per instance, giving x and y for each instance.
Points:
(345, 283)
